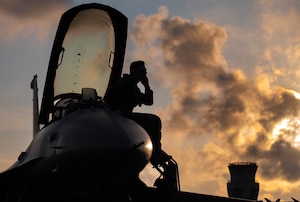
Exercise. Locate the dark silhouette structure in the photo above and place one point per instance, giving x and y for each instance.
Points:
(242, 183)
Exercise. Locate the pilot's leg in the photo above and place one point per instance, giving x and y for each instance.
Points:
(152, 124)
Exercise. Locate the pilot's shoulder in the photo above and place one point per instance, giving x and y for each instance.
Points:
(126, 80)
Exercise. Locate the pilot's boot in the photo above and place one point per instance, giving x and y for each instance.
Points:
(156, 142)
(159, 157)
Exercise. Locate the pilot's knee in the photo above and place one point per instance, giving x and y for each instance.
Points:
(157, 121)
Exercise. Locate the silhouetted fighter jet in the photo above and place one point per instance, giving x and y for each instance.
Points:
(84, 151)
(83, 145)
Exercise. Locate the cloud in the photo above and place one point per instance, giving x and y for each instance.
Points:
(32, 18)
(281, 160)
(235, 114)
(279, 19)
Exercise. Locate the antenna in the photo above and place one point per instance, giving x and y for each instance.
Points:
(35, 100)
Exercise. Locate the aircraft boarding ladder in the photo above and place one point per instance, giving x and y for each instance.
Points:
(168, 182)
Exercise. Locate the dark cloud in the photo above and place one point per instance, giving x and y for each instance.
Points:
(30, 19)
(31, 9)
(191, 44)
(281, 160)
(192, 49)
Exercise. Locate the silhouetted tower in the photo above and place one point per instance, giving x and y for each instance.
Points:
(242, 183)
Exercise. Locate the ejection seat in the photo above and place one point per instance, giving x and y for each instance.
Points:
(71, 102)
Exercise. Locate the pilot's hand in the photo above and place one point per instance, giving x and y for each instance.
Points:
(145, 82)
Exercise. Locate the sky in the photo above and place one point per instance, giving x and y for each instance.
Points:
(225, 75)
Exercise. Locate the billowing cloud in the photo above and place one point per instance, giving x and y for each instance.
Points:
(218, 112)
(30, 18)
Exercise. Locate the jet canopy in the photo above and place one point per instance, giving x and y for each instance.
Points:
(88, 52)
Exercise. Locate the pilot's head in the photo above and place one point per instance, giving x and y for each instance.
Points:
(138, 70)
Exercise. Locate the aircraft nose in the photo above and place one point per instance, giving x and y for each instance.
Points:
(102, 140)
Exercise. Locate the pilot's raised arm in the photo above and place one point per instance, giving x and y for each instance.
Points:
(147, 97)
(125, 94)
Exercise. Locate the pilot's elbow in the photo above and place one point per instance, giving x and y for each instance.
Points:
(151, 102)
(148, 102)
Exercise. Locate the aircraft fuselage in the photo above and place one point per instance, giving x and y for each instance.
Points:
(90, 143)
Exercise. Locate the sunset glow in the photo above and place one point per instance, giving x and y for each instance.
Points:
(225, 76)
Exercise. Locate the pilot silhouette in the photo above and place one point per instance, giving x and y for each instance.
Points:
(125, 95)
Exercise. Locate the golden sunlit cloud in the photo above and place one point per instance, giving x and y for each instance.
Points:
(243, 116)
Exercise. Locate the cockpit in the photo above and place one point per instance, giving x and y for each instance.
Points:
(87, 56)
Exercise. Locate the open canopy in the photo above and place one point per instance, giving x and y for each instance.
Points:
(88, 52)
